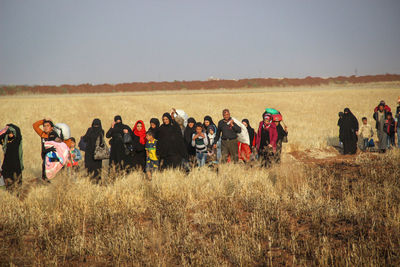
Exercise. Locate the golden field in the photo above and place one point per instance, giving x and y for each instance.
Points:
(310, 210)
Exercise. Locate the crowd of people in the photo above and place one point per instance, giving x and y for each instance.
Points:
(386, 125)
(176, 143)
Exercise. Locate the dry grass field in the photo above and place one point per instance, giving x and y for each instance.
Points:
(316, 208)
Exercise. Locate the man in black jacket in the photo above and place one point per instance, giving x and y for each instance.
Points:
(229, 130)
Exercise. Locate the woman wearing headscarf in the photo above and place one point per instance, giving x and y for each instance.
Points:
(207, 122)
(171, 146)
(92, 134)
(11, 140)
(138, 143)
(266, 138)
(349, 130)
(187, 135)
(154, 125)
(118, 155)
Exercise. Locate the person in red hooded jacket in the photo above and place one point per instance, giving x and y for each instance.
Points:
(266, 139)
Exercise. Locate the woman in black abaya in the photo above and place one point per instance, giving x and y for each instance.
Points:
(93, 166)
(348, 130)
(171, 146)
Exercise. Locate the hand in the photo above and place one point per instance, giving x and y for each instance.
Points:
(112, 124)
(269, 145)
(356, 132)
(231, 123)
(215, 146)
(202, 135)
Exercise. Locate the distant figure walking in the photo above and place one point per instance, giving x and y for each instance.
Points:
(380, 118)
(349, 130)
(266, 139)
(117, 153)
(92, 134)
(11, 170)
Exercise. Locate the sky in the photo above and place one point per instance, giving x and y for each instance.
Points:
(102, 41)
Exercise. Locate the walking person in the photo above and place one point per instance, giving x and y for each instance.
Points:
(187, 135)
(245, 150)
(200, 142)
(93, 133)
(11, 169)
(390, 130)
(380, 118)
(209, 124)
(47, 134)
(266, 139)
(171, 146)
(139, 142)
(349, 128)
(397, 118)
(227, 130)
(118, 157)
(282, 133)
(154, 126)
(366, 133)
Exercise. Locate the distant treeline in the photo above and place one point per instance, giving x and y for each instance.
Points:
(192, 85)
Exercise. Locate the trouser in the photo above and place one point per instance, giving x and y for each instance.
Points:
(390, 140)
(201, 158)
(266, 155)
(229, 148)
(365, 143)
(277, 154)
(244, 152)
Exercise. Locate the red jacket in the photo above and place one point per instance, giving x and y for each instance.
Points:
(273, 135)
(387, 108)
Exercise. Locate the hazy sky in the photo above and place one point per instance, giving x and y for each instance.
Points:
(98, 41)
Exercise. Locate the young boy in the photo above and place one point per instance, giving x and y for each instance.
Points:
(200, 142)
(365, 133)
(152, 162)
(75, 154)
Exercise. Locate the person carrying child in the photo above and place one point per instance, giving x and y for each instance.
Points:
(152, 162)
(75, 155)
(366, 133)
(200, 142)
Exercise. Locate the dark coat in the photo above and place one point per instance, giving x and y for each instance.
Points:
(11, 167)
(117, 153)
(187, 135)
(137, 158)
(171, 145)
(348, 128)
(281, 132)
(92, 134)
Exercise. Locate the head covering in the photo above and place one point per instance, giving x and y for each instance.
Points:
(267, 116)
(96, 123)
(382, 102)
(208, 118)
(247, 122)
(211, 126)
(166, 114)
(340, 114)
(141, 133)
(191, 120)
(155, 121)
(347, 110)
(118, 117)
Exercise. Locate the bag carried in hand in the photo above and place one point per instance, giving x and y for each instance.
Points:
(101, 150)
(285, 140)
(371, 143)
(82, 144)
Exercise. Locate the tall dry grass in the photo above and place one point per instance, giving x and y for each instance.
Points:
(333, 213)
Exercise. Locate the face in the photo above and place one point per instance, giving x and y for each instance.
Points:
(276, 123)
(199, 130)
(165, 120)
(47, 127)
(153, 125)
(381, 108)
(266, 121)
(139, 127)
(10, 135)
(226, 115)
(149, 137)
(191, 124)
(245, 123)
(72, 144)
(206, 123)
(211, 131)
(364, 121)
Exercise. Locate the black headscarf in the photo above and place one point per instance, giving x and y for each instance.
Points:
(118, 117)
(166, 114)
(208, 118)
(155, 121)
(170, 140)
(187, 135)
(250, 131)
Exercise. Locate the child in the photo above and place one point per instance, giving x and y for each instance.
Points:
(152, 162)
(389, 128)
(211, 151)
(365, 133)
(75, 154)
(200, 142)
